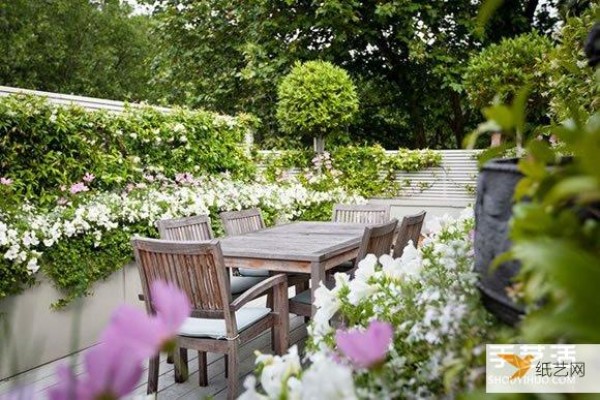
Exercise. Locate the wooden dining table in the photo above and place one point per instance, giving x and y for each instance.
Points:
(298, 247)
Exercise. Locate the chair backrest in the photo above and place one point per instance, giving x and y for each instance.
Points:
(240, 222)
(376, 240)
(194, 228)
(197, 268)
(361, 213)
(410, 229)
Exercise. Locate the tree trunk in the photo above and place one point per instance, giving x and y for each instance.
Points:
(417, 122)
(319, 143)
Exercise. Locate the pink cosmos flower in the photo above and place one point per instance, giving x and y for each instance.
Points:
(88, 177)
(68, 387)
(114, 367)
(19, 393)
(366, 348)
(78, 187)
(145, 335)
(111, 372)
(6, 181)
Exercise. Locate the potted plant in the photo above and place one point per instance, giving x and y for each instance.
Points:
(316, 99)
(504, 181)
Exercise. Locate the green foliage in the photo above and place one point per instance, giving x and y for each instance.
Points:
(13, 278)
(571, 81)
(277, 165)
(557, 235)
(365, 170)
(501, 70)
(43, 147)
(230, 56)
(93, 48)
(316, 99)
(74, 266)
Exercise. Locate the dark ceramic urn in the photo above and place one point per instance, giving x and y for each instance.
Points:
(493, 210)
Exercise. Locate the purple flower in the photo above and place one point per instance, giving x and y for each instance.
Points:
(19, 393)
(114, 367)
(111, 372)
(184, 178)
(68, 387)
(6, 181)
(78, 187)
(88, 177)
(366, 348)
(145, 335)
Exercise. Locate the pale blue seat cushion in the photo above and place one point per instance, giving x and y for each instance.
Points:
(253, 272)
(302, 297)
(239, 284)
(215, 328)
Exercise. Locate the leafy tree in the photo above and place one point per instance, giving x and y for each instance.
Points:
(316, 99)
(572, 83)
(406, 56)
(75, 46)
(501, 70)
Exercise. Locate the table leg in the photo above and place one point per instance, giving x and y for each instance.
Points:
(317, 275)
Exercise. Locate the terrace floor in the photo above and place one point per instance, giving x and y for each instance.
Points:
(43, 377)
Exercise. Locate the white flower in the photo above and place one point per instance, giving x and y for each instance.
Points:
(277, 370)
(32, 266)
(251, 393)
(326, 379)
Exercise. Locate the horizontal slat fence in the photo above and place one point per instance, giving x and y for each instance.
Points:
(452, 183)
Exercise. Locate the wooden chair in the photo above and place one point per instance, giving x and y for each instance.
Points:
(217, 324)
(198, 228)
(358, 214)
(361, 213)
(376, 240)
(410, 229)
(240, 222)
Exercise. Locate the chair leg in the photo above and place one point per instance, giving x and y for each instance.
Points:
(170, 357)
(281, 329)
(233, 378)
(202, 369)
(153, 374)
(180, 364)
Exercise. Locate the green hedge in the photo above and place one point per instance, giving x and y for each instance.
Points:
(368, 171)
(44, 147)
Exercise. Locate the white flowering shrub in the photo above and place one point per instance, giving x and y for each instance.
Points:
(86, 238)
(430, 299)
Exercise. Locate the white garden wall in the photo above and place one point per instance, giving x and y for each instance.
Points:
(38, 335)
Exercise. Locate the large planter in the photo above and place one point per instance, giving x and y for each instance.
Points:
(38, 335)
(493, 210)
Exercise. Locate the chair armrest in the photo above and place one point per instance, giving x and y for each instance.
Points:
(258, 289)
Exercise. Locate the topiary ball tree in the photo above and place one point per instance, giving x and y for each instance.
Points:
(503, 69)
(316, 99)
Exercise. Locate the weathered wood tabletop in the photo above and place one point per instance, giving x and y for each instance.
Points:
(299, 247)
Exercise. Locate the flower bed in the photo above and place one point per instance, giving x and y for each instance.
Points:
(87, 237)
(429, 299)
